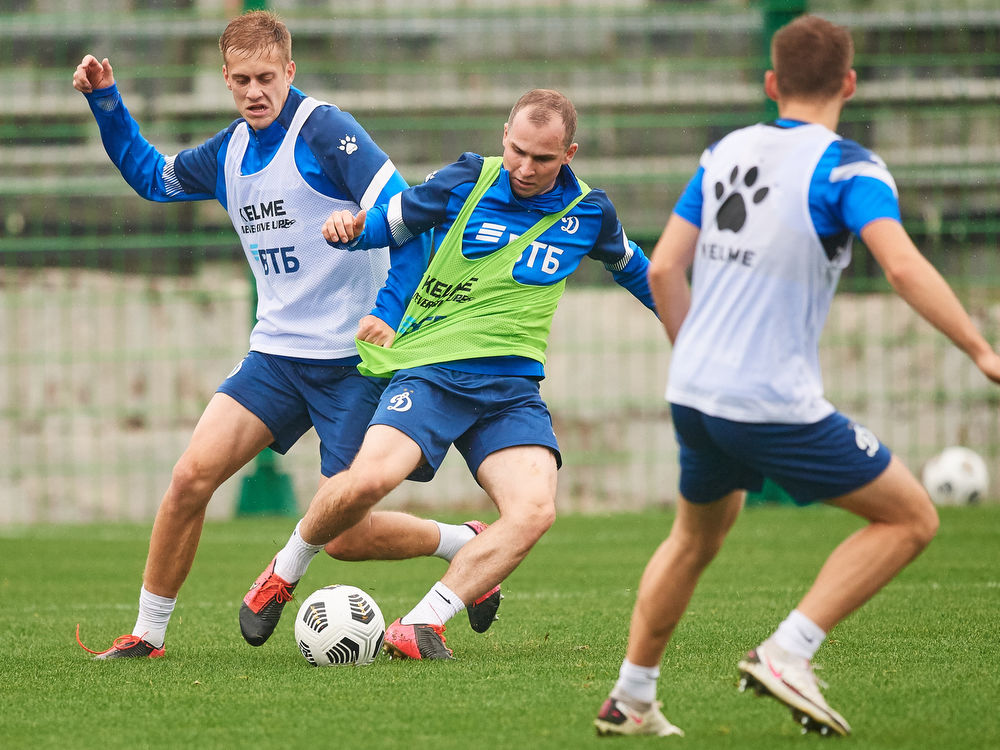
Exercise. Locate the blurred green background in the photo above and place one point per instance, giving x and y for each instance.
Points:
(118, 318)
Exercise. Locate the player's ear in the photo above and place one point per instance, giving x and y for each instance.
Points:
(290, 71)
(850, 84)
(771, 85)
(570, 153)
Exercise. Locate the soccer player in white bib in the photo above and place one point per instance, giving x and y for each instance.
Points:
(280, 170)
(766, 226)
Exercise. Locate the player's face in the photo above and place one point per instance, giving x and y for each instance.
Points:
(533, 154)
(259, 83)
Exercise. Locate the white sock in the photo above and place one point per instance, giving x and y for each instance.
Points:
(294, 558)
(154, 614)
(638, 683)
(453, 538)
(438, 606)
(799, 635)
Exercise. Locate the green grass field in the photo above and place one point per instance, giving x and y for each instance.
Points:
(917, 668)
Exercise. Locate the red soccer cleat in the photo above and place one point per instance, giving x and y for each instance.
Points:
(417, 641)
(261, 608)
(126, 646)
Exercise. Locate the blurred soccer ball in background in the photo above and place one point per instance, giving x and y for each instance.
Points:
(956, 476)
(338, 625)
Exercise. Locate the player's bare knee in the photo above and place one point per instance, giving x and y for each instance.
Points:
(340, 548)
(696, 551)
(191, 486)
(352, 545)
(925, 524)
(532, 521)
(541, 518)
(366, 488)
(917, 524)
(701, 555)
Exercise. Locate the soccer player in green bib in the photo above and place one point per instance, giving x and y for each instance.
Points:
(466, 362)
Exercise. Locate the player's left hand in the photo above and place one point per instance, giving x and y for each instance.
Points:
(375, 331)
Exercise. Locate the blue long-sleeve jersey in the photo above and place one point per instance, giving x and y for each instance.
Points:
(333, 153)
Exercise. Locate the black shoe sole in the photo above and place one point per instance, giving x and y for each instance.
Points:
(484, 614)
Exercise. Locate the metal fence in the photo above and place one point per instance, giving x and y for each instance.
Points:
(119, 318)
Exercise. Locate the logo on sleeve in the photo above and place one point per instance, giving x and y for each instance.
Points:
(348, 144)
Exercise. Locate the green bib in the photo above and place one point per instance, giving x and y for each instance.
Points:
(464, 309)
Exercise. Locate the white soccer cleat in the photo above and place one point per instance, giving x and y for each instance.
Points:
(771, 670)
(616, 718)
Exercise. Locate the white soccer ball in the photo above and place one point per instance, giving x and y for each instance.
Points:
(956, 476)
(339, 625)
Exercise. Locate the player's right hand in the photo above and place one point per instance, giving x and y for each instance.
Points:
(91, 75)
(989, 363)
(343, 226)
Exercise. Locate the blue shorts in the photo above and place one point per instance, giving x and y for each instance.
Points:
(480, 414)
(811, 462)
(291, 396)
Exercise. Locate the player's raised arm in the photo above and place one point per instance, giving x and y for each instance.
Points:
(153, 175)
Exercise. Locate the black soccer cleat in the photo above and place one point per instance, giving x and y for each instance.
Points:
(483, 612)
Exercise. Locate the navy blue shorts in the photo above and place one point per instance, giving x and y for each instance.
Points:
(290, 397)
(479, 414)
(811, 462)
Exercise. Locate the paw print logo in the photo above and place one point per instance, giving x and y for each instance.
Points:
(732, 213)
(348, 144)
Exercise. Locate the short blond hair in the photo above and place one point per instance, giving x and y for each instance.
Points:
(256, 32)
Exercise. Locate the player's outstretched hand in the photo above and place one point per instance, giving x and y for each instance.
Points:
(375, 331)
(91, 75)
(343, 226)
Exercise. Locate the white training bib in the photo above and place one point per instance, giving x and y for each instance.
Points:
(310, 296)
(762, 283)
